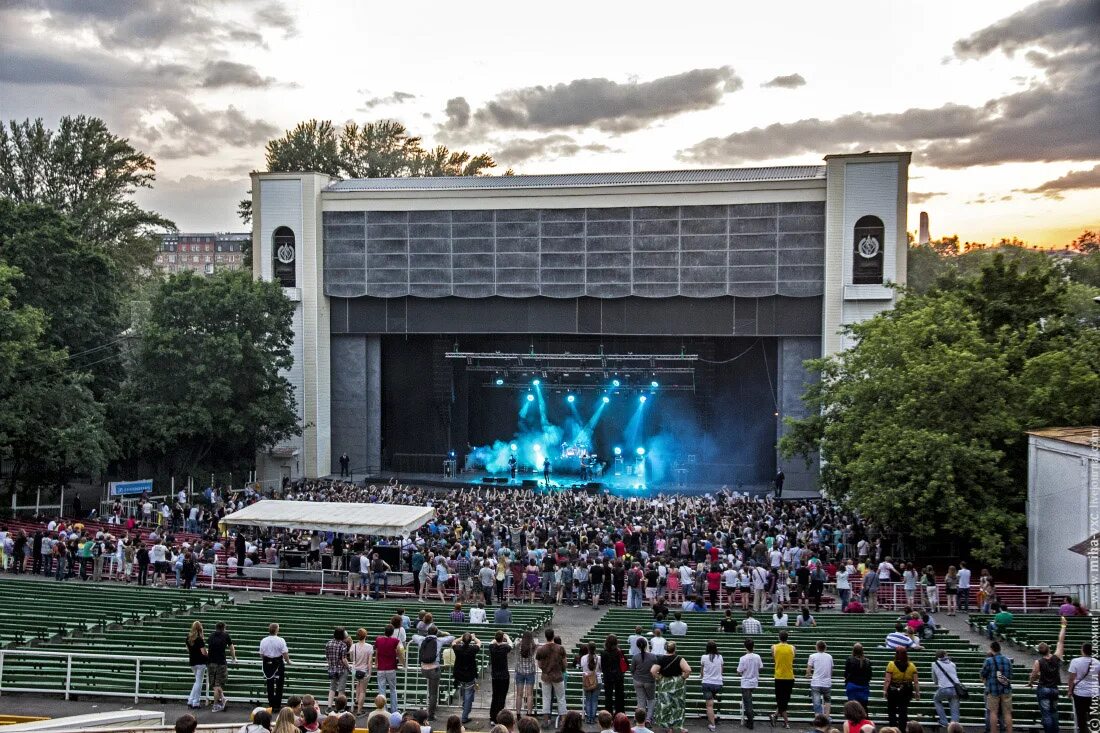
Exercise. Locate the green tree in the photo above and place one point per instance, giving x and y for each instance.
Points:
(921, 424)
(86, 172)
(380, 149)
(1087, 242)
(1085, 269)
(50, 423)
(74, 282)
(206, 389)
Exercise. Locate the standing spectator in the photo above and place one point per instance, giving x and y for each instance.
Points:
(931, 590)
(946, 677)
(345, 464)
(217, 666)
(275, 657)
(466, 671)
(143, 560)
(430, 646)
(964, 587)
(900, 687)
(551, 660)
(997, 674)
(909, 579)
(525, 674)
(951, 589)
(336, 658)
(671, 672)
(1084, 688)
(749, 667)
(711, 664)
(783, 677)
(362, 652)
(591, 680)
(870, 589)
(819, 668)
(844, 585)
(1046, 676)
(240, 545)
(379, 570)
(857, 677)
(197, 658)
(387, 648)
(641, 665)
(499, 649)
(614, 666)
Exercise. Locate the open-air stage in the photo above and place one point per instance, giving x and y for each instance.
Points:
(624, 486)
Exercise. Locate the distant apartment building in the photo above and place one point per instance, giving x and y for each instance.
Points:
(204, 253)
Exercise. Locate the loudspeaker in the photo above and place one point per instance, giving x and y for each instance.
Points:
(502, 479)
(488, 480)
(530, 483)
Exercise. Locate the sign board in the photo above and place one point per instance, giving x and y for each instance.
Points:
(129, 488)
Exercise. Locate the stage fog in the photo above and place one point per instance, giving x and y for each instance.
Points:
(721, 429)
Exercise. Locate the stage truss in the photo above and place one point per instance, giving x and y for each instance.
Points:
(568, 371)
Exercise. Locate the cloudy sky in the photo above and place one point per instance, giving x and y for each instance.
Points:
(999, 101)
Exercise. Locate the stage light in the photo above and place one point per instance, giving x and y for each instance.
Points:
(640, 451)
(536, 382)
(615, 382)
(571, 398)
(452, 454)
(514, 447)
(642, 399)
(606, 399)
(538, 448)
(500, 382)
(618, 451)
(530, 398)
(653, 384)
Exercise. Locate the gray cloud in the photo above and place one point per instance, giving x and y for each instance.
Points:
(558, 145)
(919, 197)
(458, 114)
(600, 103)
(790, 81)
(197, 204)
(154, 23)
(1052, 120)
(394, 98)
(1072, 181)
(193, 131)
(218, 74)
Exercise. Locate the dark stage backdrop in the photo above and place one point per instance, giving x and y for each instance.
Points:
(431, 405)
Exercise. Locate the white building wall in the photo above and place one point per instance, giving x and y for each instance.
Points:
(1058, 508)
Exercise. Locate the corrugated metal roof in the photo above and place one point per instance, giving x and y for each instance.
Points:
(582, 180)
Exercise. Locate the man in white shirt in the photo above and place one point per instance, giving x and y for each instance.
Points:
(749, 667)
(477, 614)
(964, 587)
(819, 668)
(678, 627)
(844, 585)
(275, 656)
(1083, 686)
(886, 571)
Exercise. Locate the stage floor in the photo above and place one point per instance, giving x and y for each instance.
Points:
(624, 485)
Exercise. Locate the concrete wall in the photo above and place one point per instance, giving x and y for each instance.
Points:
(1058, 510)
(793, 378)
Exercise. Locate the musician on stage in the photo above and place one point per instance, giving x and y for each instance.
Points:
(546, 471)
(512, 466)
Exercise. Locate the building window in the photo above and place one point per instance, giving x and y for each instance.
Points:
(283, 254)
(868, 248)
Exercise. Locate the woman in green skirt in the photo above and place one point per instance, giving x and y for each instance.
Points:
(670, 671)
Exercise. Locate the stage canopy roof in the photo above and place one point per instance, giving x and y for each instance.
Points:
(388, 520)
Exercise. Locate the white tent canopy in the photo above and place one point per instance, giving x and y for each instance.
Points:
(387, 520)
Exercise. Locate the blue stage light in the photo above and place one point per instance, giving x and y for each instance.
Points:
(653, 384)
(642, 399)
(614, 382)
(530, 398)
(452, 454)
(606, 399)
(618, 451)
(514, 447)
(538, 448)
(571, 398)
(500, 382)
(640, 451)
(536, 382)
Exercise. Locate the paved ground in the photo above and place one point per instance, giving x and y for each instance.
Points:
(569, 623)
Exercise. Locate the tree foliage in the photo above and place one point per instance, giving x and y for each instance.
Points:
(206, 386)
(87, 173)
(921, 424)
(379, 149)
(50, 422)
